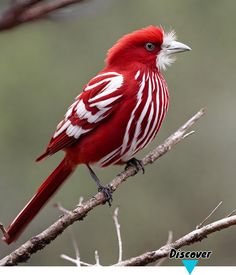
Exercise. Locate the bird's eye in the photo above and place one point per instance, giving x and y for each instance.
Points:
(150, 46)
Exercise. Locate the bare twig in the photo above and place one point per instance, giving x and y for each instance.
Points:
(76, 249)
(169, 241)
(77, 261)
(117, 225)
(69, 259)
(24, 252)
(170, 237)
(189, 134)
(190, 238)
(30, 10)
(81, 199)
(97, 260)
(61, 208)
(212, 212)
(232, 213)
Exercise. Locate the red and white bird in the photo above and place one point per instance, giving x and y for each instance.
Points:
(118, 113)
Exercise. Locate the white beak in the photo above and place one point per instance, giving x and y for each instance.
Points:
(177, 47)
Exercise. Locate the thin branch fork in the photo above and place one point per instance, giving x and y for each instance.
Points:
(169, 241)
(77, 260)
(208, 216)
(38, 242)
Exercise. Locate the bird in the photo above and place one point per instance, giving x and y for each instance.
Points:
(118, 113)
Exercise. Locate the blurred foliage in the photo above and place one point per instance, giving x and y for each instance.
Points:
(43, 66)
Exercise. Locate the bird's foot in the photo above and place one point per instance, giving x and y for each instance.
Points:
(107, 192)
(136, 164)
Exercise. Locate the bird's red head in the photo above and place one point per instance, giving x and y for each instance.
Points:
(149, 46)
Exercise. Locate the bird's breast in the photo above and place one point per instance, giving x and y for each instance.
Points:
(132, 127)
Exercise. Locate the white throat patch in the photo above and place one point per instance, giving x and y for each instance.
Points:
(164, 59)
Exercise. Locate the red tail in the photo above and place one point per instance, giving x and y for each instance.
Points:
(45, 191)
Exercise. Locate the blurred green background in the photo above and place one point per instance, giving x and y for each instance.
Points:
(43, 66)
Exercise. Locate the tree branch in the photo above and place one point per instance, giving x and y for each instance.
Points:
(23, 11)
(162, 253)
(190, 238)
(24, 252)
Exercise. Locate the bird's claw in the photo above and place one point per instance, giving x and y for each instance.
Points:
(107, 192)
(136, 164)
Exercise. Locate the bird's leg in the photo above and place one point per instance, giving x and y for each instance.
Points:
(104, 189)
(136, 164)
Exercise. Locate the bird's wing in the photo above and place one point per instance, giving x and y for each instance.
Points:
(96, 103)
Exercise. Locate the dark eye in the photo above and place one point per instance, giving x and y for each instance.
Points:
(150, 46)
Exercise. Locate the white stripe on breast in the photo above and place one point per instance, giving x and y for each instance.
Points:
(137, 75)
(139, 99)
(139, 122)
(157, 102)
(162, 109)
(141, 144)
(163, 101)
(108, 157)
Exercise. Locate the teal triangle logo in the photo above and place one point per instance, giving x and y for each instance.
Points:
(190, 264)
